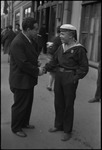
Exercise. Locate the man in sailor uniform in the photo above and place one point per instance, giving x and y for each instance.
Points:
(72, 63)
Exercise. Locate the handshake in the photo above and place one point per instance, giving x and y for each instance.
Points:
(42, 71)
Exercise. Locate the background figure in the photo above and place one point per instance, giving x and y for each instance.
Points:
(44, 37)
(97, 97)
(51, 51)
(4, 31)
(72, 65)
(7, 39)
(23, 77)
(17, 29)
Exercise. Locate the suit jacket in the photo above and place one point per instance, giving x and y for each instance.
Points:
(23, 63)
(6, 40)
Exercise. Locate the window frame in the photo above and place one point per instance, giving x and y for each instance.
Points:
(17, 19)
(29, 14)
(89, 33)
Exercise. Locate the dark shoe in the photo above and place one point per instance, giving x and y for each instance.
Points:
(20, 133)
(66, 137)
(29, 126)
(55, 129)
(50, 89)
(93, 100)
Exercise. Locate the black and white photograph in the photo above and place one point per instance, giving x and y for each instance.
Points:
(50, 75)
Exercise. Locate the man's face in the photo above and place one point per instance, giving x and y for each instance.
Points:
(33, 32)
(65, 36)
(17, 27)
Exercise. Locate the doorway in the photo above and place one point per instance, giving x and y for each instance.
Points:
(52, 24)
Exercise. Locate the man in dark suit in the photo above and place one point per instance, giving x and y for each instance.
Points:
(24, 71)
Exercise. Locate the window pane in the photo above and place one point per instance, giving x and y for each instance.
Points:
(90, 47)
(96, 48)
(17, 16)
(25, 11)
(84, 40)
(91, 30)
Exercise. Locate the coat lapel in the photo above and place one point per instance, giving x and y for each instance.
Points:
(30, 46)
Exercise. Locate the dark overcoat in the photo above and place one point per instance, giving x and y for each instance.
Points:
(6, 40)
(23, 63)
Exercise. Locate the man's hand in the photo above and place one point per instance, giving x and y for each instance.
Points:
(39, 63)
(42, 71)
(49, 44)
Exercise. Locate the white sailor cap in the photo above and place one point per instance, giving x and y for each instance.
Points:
(66, 27)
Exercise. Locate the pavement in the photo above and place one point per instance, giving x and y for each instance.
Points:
(87, 116)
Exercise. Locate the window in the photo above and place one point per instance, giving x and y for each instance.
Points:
(90, 34)
(27, 12)
(59, 11)
(17, 17)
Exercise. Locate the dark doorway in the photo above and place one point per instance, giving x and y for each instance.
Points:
(52, 24)
(47, 19)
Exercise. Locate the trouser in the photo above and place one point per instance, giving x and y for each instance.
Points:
(21, 109)
(51, 79)
(65, 94)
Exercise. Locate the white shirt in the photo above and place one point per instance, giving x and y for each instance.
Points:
(66, 47)
(26, 37)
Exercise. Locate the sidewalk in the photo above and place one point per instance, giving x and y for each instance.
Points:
(87, 121)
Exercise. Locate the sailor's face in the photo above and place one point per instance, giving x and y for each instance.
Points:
(65, 36)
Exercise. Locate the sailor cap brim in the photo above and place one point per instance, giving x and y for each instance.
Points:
(67, 27)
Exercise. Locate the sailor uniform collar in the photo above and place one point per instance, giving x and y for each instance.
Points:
(66, 48)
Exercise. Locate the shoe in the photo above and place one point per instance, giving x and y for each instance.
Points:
(93, 100)
(20, 133)
(50, 89)
(29, 126)
(55, 129)
(66, 137)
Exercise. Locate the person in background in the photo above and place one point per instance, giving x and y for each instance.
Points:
(97, 97)
(17, 29)
(72, 65)
(7, 39)
(44, 35)
(4, 31)
(23, 76)
(50, 52)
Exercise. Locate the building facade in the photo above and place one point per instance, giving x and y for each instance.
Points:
(84, 15)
